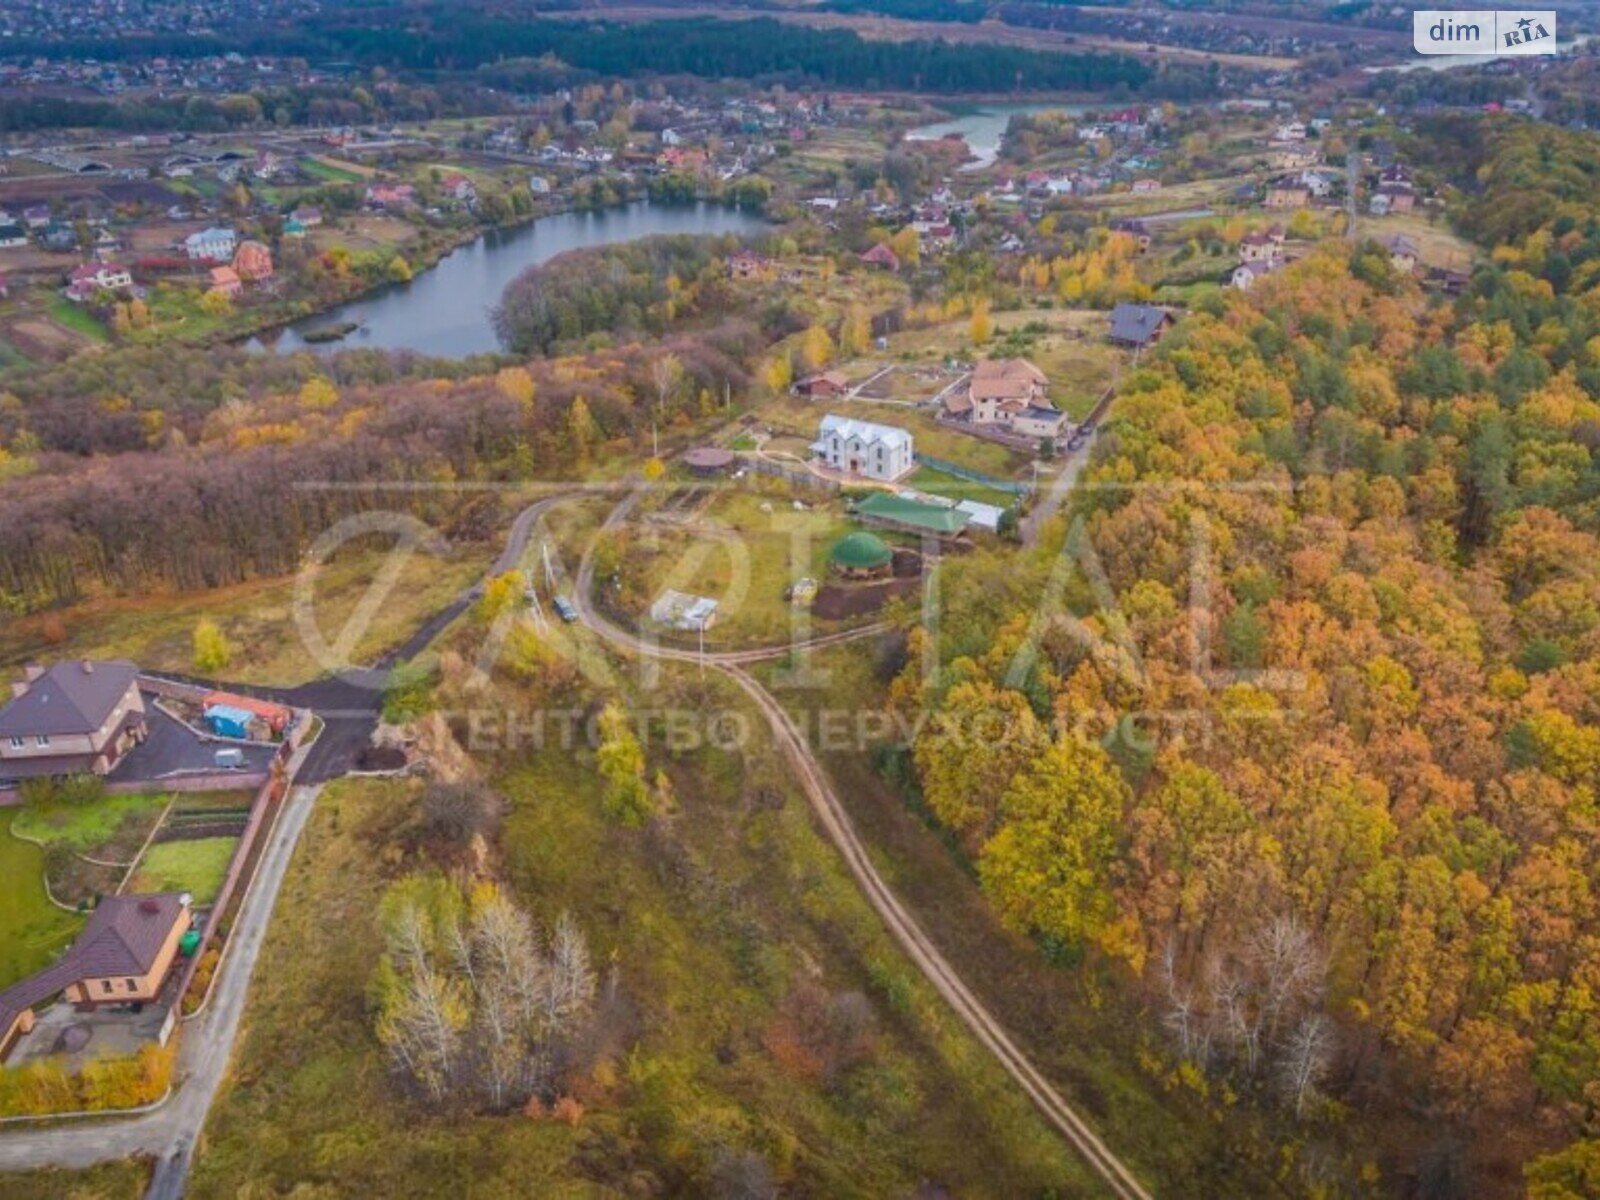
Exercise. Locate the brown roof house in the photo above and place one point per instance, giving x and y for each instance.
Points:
(1011, 393)
(883, 257)
(77, 718)
(822, 385)
(1288, 192)
(122, 956)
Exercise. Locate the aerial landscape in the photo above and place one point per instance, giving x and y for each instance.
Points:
(788, 599)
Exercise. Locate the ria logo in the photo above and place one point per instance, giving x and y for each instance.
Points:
(1484, 31)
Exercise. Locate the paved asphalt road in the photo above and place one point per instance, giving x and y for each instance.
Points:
(168, 1133)
(349, 705)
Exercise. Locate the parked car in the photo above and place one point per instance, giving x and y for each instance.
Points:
(564, 606)
(229, 759)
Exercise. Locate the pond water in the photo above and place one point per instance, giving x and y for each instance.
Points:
(445, 311)
(983, 127)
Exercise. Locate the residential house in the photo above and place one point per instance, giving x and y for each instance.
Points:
(1402, 253)
(1288, 191)
(1394, 198)
(747, 264)
(1246, 273)
(12, 235)
(881, 452)
(1139, 325)
(89, 280)
(123, 956)
(824, 385)
(1011, 394)
(77, 718)
(538, 185)
(308, 215)
(215, 244)
(36, 216)
(253, 262)
(883, 257)
(459, 188)
(391, 195)
(1259, 246)
(1317, 183)
(226, 282)
(1290, 131)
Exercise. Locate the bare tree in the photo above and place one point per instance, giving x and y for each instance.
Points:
(1305, 1059)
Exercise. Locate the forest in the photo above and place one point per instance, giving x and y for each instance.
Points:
(447, 38)
(225, 477)
(1309, 750)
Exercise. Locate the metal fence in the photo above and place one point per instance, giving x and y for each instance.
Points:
(1009, 486)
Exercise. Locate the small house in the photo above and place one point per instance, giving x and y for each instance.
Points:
(225, 281)
(215, 244)
(861, 555)
(1139, 325)
(253, 262)
(882, 257)
(824, 385)
(1288, 192)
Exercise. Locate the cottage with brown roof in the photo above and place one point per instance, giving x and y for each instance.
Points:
(77, 718)
(123, 956)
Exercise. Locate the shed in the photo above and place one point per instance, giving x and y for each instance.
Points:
(861, 554)
(227, 721)
(911, 516)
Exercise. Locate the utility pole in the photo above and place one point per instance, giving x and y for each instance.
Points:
(1352, 179)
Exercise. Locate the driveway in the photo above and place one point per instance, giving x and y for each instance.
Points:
(174, 749)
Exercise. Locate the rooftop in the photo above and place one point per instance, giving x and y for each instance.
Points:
(71, 697)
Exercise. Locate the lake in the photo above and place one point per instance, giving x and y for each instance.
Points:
(983, 127)
(444, 311)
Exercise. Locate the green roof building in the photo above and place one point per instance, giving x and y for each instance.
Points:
(912, 516)
(861, 553)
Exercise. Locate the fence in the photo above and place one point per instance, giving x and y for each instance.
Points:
(1008, 486)
(798, 476)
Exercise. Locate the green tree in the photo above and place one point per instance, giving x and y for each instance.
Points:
(1049, 867)
(212, 650)
(621, 762)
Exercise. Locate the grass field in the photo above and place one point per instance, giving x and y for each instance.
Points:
(747, 569)
(84, 826)
(32, 930)
(1437, 246)
(76, 318)
(258, 617)
(938, 483)
(197, 866)
(709, 921)
(109, 1181)
(327, 171)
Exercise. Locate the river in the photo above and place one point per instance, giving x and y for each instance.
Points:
(983, 127)
(444, 311)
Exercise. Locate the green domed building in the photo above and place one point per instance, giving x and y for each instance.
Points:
(861, 555)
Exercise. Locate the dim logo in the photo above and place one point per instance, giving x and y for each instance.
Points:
(1484, 31)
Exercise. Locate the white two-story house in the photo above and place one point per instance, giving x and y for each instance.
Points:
(881, 452)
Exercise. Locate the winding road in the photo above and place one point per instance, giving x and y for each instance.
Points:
(1119, 1180)
(350, 707)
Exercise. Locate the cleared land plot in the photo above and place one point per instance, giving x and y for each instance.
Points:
(258, 617)
(798, 420)
(741, 556)
(197, 866)
(1436, 245)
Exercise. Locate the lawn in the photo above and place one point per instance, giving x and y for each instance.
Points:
(76, 318)
(708, 922)
(738, 554)
(258, 618)
(196, 866)
(328, 172)
(939, 483)
(89, 826)
(32, 930)
(1437, 246)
